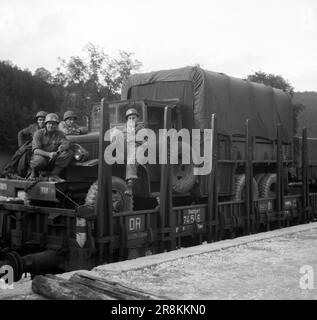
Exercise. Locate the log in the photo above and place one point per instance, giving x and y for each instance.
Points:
(56, 288)
(114, 289)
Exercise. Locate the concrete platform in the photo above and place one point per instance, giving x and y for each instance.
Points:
(150, 261)
(260, 266)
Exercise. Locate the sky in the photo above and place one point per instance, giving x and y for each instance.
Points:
(234, 37)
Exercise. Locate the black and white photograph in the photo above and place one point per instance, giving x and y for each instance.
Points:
(160, 151)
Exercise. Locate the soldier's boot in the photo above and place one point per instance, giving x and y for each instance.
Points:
(33, 174)
(54, 176)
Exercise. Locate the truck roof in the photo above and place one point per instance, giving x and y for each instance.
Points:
(202, 93)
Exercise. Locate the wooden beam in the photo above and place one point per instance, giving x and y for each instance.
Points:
(57, 288)
(104, 199)
(82, 286)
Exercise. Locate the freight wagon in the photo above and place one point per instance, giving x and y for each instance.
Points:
(261, 177)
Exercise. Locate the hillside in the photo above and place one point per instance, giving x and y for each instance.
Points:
(21, 96)
(308, 117)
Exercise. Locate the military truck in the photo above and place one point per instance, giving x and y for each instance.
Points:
(260, 178)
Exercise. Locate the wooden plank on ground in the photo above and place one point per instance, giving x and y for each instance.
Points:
(114, 289)
(83, 286)
(56, 288)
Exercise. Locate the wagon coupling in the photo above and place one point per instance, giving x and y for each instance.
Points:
(37, 263)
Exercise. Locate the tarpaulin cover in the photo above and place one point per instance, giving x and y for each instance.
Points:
(203, 93)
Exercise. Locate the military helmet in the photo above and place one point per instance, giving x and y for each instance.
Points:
(52, 117)
(131, 111)
(69, 114)
(41, 114)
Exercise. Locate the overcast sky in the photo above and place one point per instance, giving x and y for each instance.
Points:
(229, 36)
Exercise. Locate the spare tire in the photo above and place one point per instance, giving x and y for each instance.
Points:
(259, 177)
(267, 186)
(183, 178)
(120, 201)
(239, 188)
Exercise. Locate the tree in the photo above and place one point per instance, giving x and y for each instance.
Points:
(278, 82)
(89, 78)
(21, 96)
(275, 81)
(43, 74)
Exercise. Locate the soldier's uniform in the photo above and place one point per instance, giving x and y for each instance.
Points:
(20, 161)
(51, 142)
(26, 135)
(74, 128)
(132, 145)
(131, 169)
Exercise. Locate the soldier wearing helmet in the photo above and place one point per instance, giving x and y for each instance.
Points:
(26, 134)
(132, 127)
(51, 150)
(20, 161)
(69, 125)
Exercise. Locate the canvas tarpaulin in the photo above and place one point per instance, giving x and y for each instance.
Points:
(202, 93)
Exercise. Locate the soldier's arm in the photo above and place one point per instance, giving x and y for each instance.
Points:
(20, 138)
(63, 127)
(64, 143)
(76, 129)
(43, 153)
(37, 146)
(22, 134)
(83, 130)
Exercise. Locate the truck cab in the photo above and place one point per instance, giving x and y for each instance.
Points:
(151, 116)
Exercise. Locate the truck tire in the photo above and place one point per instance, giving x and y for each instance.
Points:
(267, 186)
(239, 188)
(183, 178)
(259, 177)
(120, 201)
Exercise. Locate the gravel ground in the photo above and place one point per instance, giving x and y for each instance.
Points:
(266, 269)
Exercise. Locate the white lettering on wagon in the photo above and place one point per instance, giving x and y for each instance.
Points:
(44, 190)
(135, 224)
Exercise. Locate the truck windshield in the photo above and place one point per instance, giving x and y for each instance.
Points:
(123, 107)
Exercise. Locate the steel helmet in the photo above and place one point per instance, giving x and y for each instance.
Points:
(41, 114)
(53, 117)
(131, 111)
(69, 114)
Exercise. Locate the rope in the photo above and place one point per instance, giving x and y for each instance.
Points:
(67, 197)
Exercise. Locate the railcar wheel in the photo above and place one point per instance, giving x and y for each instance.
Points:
(239, 188)
(120, 202)
(267, 186)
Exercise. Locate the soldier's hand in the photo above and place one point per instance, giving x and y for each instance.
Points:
(52, 155)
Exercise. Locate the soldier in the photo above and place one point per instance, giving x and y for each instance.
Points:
(131, 128)
(69, 125)
(51, 150)
(21, 159)
(26, 134)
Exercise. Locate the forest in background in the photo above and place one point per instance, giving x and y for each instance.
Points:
(21, 96)
(76, 84)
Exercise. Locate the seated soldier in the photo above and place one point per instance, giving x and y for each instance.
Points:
(132, 126)
(51, 150)
(26, 134)
(69, 125)
(20, 161)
